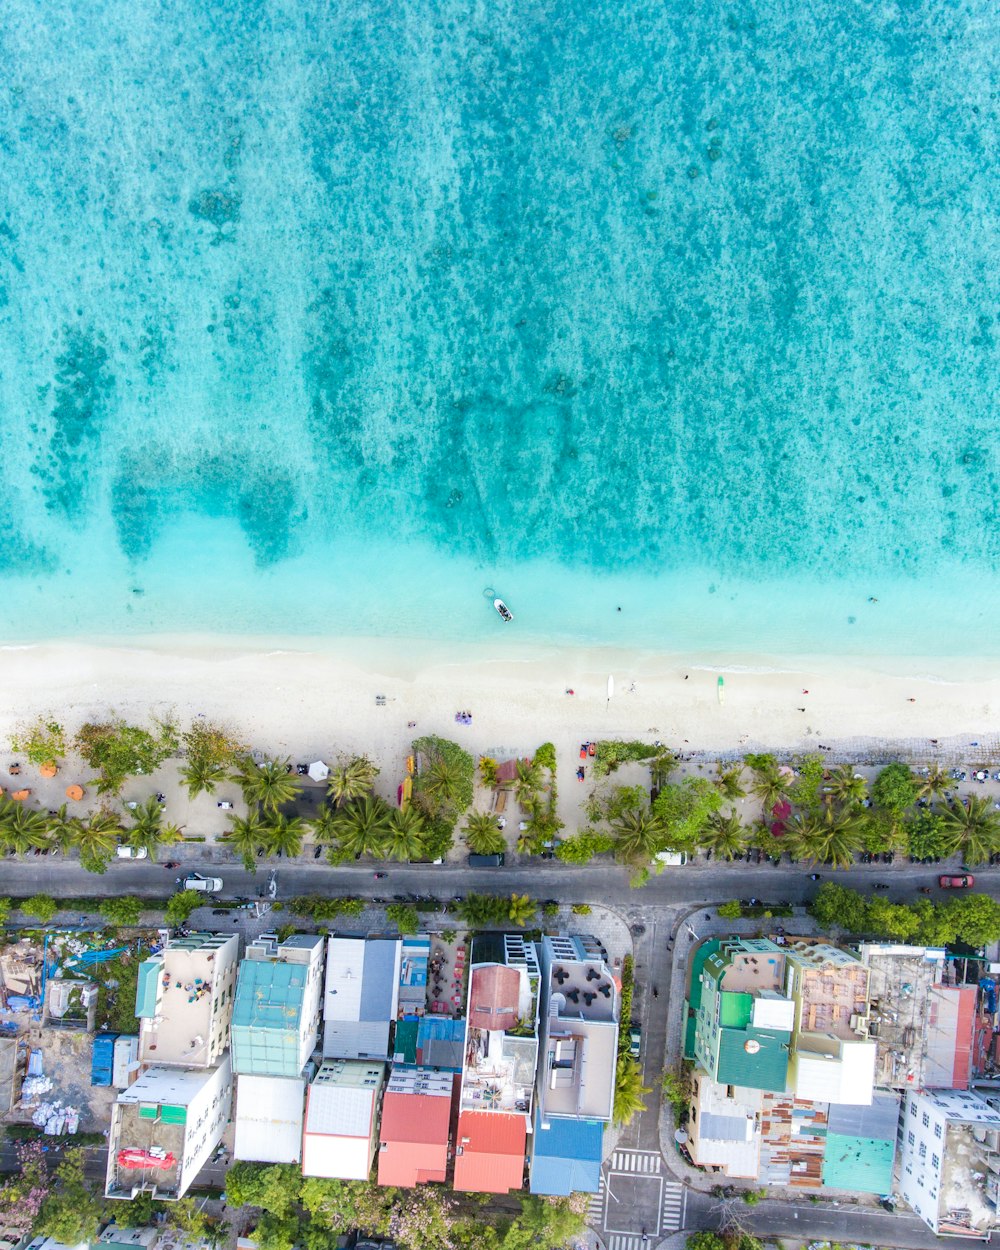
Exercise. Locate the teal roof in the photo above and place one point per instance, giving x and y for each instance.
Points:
(860, 1163)
(735, 1009)
(266, 1017)
(147, 987)
(405, 1041)
(766, 1068)
(701, 953)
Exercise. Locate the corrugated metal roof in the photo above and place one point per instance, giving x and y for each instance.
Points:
(269, 1112)
(147, 987)
(489, 1152)
(879, 1121)
(566, 1156)
(859, 1163)
(441, 1043)
(356, 1039)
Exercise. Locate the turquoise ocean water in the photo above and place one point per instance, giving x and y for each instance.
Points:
(321, 318)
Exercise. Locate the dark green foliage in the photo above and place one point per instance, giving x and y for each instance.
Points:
(970, 918)
(118, 750)
(683, 809)
(895, 788)
(181, 906)
(405, 918)
(583, 846)
(443, 786)
(612, 753)
(122, 909)
(322, 910)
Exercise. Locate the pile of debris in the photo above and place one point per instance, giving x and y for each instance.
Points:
(55, 1118)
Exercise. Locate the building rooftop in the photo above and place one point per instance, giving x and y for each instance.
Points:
(177, 997)
(495, 998)
(361, 998)
(499, 1073)
(269, 1113)
(747, 965)
(489, 1152)
(566, 1156)
(266, 1017)
(723, 1129)
(861, 1146)
(832, 990)
(922, 1023)
(415, 956)
(413, 1137)
(341, 1106)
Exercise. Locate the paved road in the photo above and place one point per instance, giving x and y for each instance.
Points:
(605, 883)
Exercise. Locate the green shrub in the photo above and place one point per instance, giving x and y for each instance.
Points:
(181, 905)
(122, 909)
(730, 911)
(41, 907)
(581, 909)
(895, 788)
(611, 754)
(488, 771)
(443, 787)
(545, 757)
(550, 909)
(43, 742)
(628, 984)
(119, 750)
(404, 917)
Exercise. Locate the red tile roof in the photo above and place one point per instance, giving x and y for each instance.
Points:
(507, 771)
(493, 997)
(414, 1135)
(489, 1152)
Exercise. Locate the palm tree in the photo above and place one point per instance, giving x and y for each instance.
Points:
(405, 837)
(441, 783)
(977, 825)
(21, 829)
(97, 840)
(351, 781)
(147, 831)
(934, 784)
(847, 787)
(522, 909)
(831, 838)
(661, 767)
(730, 781)
(724, 835)
(269, 784)
(202, 775)
(247, 836)
(770, 788)
(482, 836)
(64, 829)
(527, 780)
(362, 826)
(324, 827)
(629, 1090)
(283, 836)
(637, 834)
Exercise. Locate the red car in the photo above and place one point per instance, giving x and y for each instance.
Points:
(965, 882)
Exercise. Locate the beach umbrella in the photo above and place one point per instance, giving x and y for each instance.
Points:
(74, 792)
(318, 771)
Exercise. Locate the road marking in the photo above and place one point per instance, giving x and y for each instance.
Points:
(674, 1202)
(595, 1207)
(637, 1162)
(624, 1241)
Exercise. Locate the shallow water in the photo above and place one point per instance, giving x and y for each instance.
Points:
(322, 318)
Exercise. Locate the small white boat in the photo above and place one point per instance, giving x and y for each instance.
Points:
(506, 615)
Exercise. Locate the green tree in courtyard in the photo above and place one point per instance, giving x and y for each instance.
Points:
(638, 836)
(363, 827)
(97, 839)
(847, 786)
(522, 909)
(71, 1212)
(21, 829)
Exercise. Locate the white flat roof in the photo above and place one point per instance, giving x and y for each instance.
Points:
(269, 1113)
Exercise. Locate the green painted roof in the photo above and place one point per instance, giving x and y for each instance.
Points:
(860, 1163)
(146, 987)
(736, 1010)
(405, 1043)
(690, 1028)
(766, 1069)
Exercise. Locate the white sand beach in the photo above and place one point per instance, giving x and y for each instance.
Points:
(317, 697)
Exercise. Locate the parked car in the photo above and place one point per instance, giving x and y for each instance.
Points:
(965, 882)
(204, 885)
(132, 852)
(487, 861)
(635, 1041)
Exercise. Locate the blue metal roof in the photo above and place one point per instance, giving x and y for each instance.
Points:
(566, 1157)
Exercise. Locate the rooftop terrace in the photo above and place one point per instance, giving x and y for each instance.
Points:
(499, 1072)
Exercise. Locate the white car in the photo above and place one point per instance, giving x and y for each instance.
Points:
(132, 852)
(204, 885)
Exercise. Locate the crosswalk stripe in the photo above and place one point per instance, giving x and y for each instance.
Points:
(671, 1211)
(639, 1162)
